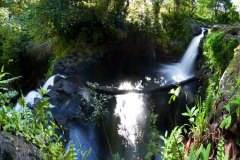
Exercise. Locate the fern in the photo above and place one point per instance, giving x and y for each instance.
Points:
(5, 94)
(200, 153)
(5, 82)
(220, 151)
(173, 146)
(6, 97)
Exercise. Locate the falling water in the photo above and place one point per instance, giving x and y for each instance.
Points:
(184, 69)
(33, 95)
(84, 139)
(50, 81)
(29, 99)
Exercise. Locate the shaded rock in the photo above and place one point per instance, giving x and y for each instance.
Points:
(228, 37)
(230, 76)
(40, 52)
(238, 38)
(217, 27)
(69, 103)
(196, 28)
(66, 86)
(233, 30)
(72, 64)
(230, 29)
(16, 148)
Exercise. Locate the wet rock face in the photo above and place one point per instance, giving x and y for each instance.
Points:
(16, 148)
(196, 28)
(228, 37)
(72, 64)
(69, 103)
(230, 76)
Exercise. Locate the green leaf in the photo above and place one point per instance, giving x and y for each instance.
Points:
(236, 101)
(191, 119)
(228, 107)
(195, 112)
(185, 114)
(238, 111)
(193, 109)
(238, 82)
(207, 152)
(188, 110)
(225, 124)
(3, 75)
(2, 69)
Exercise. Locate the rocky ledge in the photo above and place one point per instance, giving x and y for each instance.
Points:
(16, 148)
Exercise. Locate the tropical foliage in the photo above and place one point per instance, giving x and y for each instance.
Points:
(36, 126)
(81, 26)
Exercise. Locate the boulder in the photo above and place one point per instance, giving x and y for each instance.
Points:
(73, 64)
(196, 28)
(230, 76)
(69, 103)
(16, 148)
(238, 38)
(228, 37)
(216, 27)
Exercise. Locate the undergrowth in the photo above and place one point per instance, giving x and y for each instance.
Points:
(218, 52)
(36, 126)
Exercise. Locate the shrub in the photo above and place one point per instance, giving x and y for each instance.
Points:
(219, 51)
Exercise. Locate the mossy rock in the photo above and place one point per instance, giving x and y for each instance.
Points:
(16, 148)
(228, 82)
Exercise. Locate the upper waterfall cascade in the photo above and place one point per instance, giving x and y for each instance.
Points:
(184, 68)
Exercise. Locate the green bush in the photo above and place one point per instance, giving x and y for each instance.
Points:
(219, 51)
(35, 125)
(13, 40)
(94, 21)
(176, 26)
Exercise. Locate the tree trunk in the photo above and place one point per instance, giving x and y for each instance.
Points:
(115, 91)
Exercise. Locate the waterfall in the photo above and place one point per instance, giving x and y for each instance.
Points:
(29, 99)
(188, 60)
(50, 81)
(184, 69)
(32, 95)
(84, 138)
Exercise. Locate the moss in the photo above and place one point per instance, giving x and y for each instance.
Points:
(219, 51)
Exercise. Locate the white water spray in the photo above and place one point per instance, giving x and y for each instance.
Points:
(184, 69)
(50, 81)
(32, 95)
(29, 99)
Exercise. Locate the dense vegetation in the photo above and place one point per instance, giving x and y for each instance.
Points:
(27, 27)
(78, 26)
(207, 130)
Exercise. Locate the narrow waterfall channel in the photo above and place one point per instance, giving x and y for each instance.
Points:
(126, 130)
(184, 69)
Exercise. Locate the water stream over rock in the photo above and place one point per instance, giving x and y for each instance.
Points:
(184, 69)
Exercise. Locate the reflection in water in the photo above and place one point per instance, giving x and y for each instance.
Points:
(131, 110)
(84, 140)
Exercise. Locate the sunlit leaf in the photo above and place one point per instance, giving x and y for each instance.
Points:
(226, 122)
(2, 69)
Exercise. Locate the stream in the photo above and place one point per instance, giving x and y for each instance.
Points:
(126, 128)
